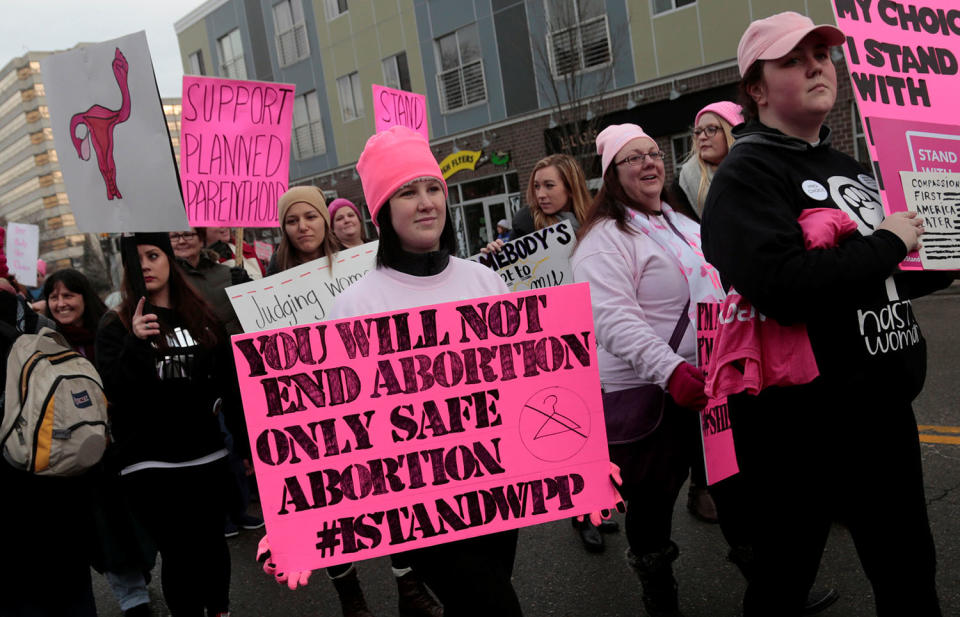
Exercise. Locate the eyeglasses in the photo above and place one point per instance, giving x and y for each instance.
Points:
(637, 159)
(710, 130)
(183, 236)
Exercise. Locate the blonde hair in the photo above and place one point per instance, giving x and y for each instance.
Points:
(573, 180)
(707, 169)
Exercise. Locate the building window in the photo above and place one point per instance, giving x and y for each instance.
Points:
(291, 32)
(395, 72)
(662, 6)
(231, 56)
(335, 8)
(860, 150)
(308, 126)
(351, 99)
(196, 63)
(461, 82)
(680, 144)
(579, 38)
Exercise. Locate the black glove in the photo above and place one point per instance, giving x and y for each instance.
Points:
(222, 249)
(238, 274)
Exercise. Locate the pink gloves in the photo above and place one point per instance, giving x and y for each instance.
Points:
(602, 515)
(686, 387)
(292, 579)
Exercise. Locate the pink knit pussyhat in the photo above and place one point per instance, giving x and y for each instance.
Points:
(731, 112)
(390, 160)
(340, 202)
(613, 138)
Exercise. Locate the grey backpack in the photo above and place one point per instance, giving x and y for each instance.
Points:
(54, 409)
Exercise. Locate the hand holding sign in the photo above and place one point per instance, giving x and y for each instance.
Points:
(905, 225)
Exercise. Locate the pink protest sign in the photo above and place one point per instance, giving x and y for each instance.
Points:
(902, 57)
(399, 108)
(234, 150)
(715, 430)
(383, 433)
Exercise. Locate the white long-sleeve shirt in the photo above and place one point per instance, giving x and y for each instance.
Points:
(638, 294)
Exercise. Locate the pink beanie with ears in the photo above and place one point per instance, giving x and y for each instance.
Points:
(731, 112)
(613, 138)
(392, 159)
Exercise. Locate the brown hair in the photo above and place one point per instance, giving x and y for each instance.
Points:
(573, 180)
(754, 75)
(287, 257)
(192, 308)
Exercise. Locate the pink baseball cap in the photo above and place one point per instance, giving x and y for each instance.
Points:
(731, 112)
(774, 37)
(391, 159)
(613, 138)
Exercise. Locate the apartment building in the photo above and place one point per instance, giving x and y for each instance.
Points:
(506, 81)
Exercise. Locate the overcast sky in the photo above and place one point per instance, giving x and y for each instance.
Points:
(50, 25)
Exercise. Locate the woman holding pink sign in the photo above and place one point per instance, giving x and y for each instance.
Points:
(845, 445)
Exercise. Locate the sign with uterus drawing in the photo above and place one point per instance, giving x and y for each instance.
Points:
(111, 137)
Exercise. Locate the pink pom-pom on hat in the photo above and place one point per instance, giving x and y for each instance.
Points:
(391, 159)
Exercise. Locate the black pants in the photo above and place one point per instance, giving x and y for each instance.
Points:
(183, 510)
(653, 471)
(810, 455)
(471, 577)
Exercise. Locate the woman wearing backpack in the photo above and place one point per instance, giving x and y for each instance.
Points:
(165, 362)
(124, 553)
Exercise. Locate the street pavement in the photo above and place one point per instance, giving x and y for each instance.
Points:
(555, 577)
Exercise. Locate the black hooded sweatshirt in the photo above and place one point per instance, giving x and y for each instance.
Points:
(854, 302)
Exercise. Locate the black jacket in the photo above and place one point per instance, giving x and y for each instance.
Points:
(162, 402)
(851, 297)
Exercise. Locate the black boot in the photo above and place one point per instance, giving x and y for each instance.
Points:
(589, 535)
(415, 600)
(818, 600)
(350, 594)
(655, 571)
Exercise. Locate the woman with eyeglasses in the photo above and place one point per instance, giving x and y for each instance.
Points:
(844, 445)
(712, 138)
(646, 275)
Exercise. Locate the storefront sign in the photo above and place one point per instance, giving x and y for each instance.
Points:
(399, 108)
(234, 150)
(458, 161)
(385, 433)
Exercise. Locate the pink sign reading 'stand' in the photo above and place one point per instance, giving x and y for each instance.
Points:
(379, 434)
(234, 150)
(719, 454)
(393, 107)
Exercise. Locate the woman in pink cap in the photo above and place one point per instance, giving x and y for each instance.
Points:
(646, 275)
(347, 223)
(712, 138)
(844, 446)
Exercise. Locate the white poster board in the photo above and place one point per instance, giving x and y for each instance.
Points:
(537, 260)
(23, 250)
(935, 196)
(111, 137)
(303, 294)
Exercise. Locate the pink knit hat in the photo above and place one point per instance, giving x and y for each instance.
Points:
(612, 139)
(390, 160)
(775, 36)
(731, 112)
(340, 202)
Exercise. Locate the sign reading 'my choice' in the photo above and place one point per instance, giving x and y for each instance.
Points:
(393, 107)
(301, 295)
(234, 150)
(537, 260)
(904, 60)
(383, 433)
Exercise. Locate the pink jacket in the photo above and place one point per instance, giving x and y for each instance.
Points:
(752, 352)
